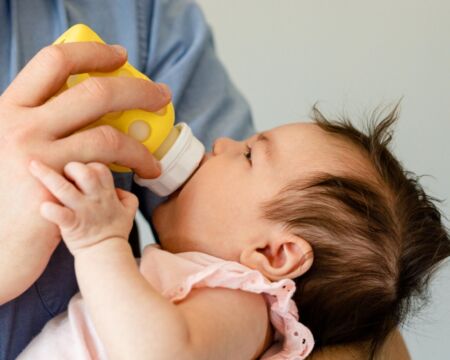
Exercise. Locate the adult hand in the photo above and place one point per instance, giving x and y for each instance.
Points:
(32, 126)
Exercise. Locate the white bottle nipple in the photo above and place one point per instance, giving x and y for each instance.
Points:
(178, 163)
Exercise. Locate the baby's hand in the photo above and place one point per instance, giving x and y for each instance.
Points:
(90, 212)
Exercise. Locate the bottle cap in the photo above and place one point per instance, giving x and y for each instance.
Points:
(177, 165)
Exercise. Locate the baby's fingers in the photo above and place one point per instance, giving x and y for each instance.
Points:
(129, 200)
(84, 176)
(60, 215)
(103, 173)
(62, 189)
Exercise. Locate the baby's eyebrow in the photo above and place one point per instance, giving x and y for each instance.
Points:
(267, 144)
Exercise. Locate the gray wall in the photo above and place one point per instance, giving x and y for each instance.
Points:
(353, 55)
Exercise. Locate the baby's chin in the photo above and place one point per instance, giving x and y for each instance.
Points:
(160, 217)
(177, 192)
(165, 222)
(161, 214)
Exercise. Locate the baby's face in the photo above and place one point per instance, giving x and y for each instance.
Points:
(218, 211)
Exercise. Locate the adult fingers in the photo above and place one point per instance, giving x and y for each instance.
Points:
(108, 145)
(89, 100)
(49, 69)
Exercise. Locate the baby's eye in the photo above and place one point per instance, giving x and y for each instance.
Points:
(248, 154)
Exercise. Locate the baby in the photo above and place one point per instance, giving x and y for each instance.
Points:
(319, 203)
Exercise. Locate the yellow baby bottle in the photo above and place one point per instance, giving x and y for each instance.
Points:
(178, 150)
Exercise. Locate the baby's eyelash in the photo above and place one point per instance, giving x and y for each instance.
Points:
(248, 153)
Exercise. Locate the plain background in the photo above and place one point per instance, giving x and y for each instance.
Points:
(351, 56)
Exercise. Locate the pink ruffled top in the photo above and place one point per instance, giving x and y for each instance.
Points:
(174, 276)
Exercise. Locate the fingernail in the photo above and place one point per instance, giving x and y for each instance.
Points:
(120, 50)
(164, 89)
(161, 111)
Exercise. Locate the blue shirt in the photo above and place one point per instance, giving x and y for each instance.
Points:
(170, 41)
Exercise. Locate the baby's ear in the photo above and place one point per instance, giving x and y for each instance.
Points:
(280, 255)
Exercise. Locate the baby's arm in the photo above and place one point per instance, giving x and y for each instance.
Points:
(131, 318)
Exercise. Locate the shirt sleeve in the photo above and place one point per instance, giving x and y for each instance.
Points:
(180, 52)
(167, 39)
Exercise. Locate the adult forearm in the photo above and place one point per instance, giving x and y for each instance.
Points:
(25, 249)
(118, 297)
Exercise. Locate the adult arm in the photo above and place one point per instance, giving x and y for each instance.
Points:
(170, 41)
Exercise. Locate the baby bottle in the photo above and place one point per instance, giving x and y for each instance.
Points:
(177, 149)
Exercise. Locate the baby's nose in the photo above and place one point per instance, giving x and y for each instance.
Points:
(225, 144)
(218, 145)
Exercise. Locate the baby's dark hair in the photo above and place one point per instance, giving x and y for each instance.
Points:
(376, 241)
